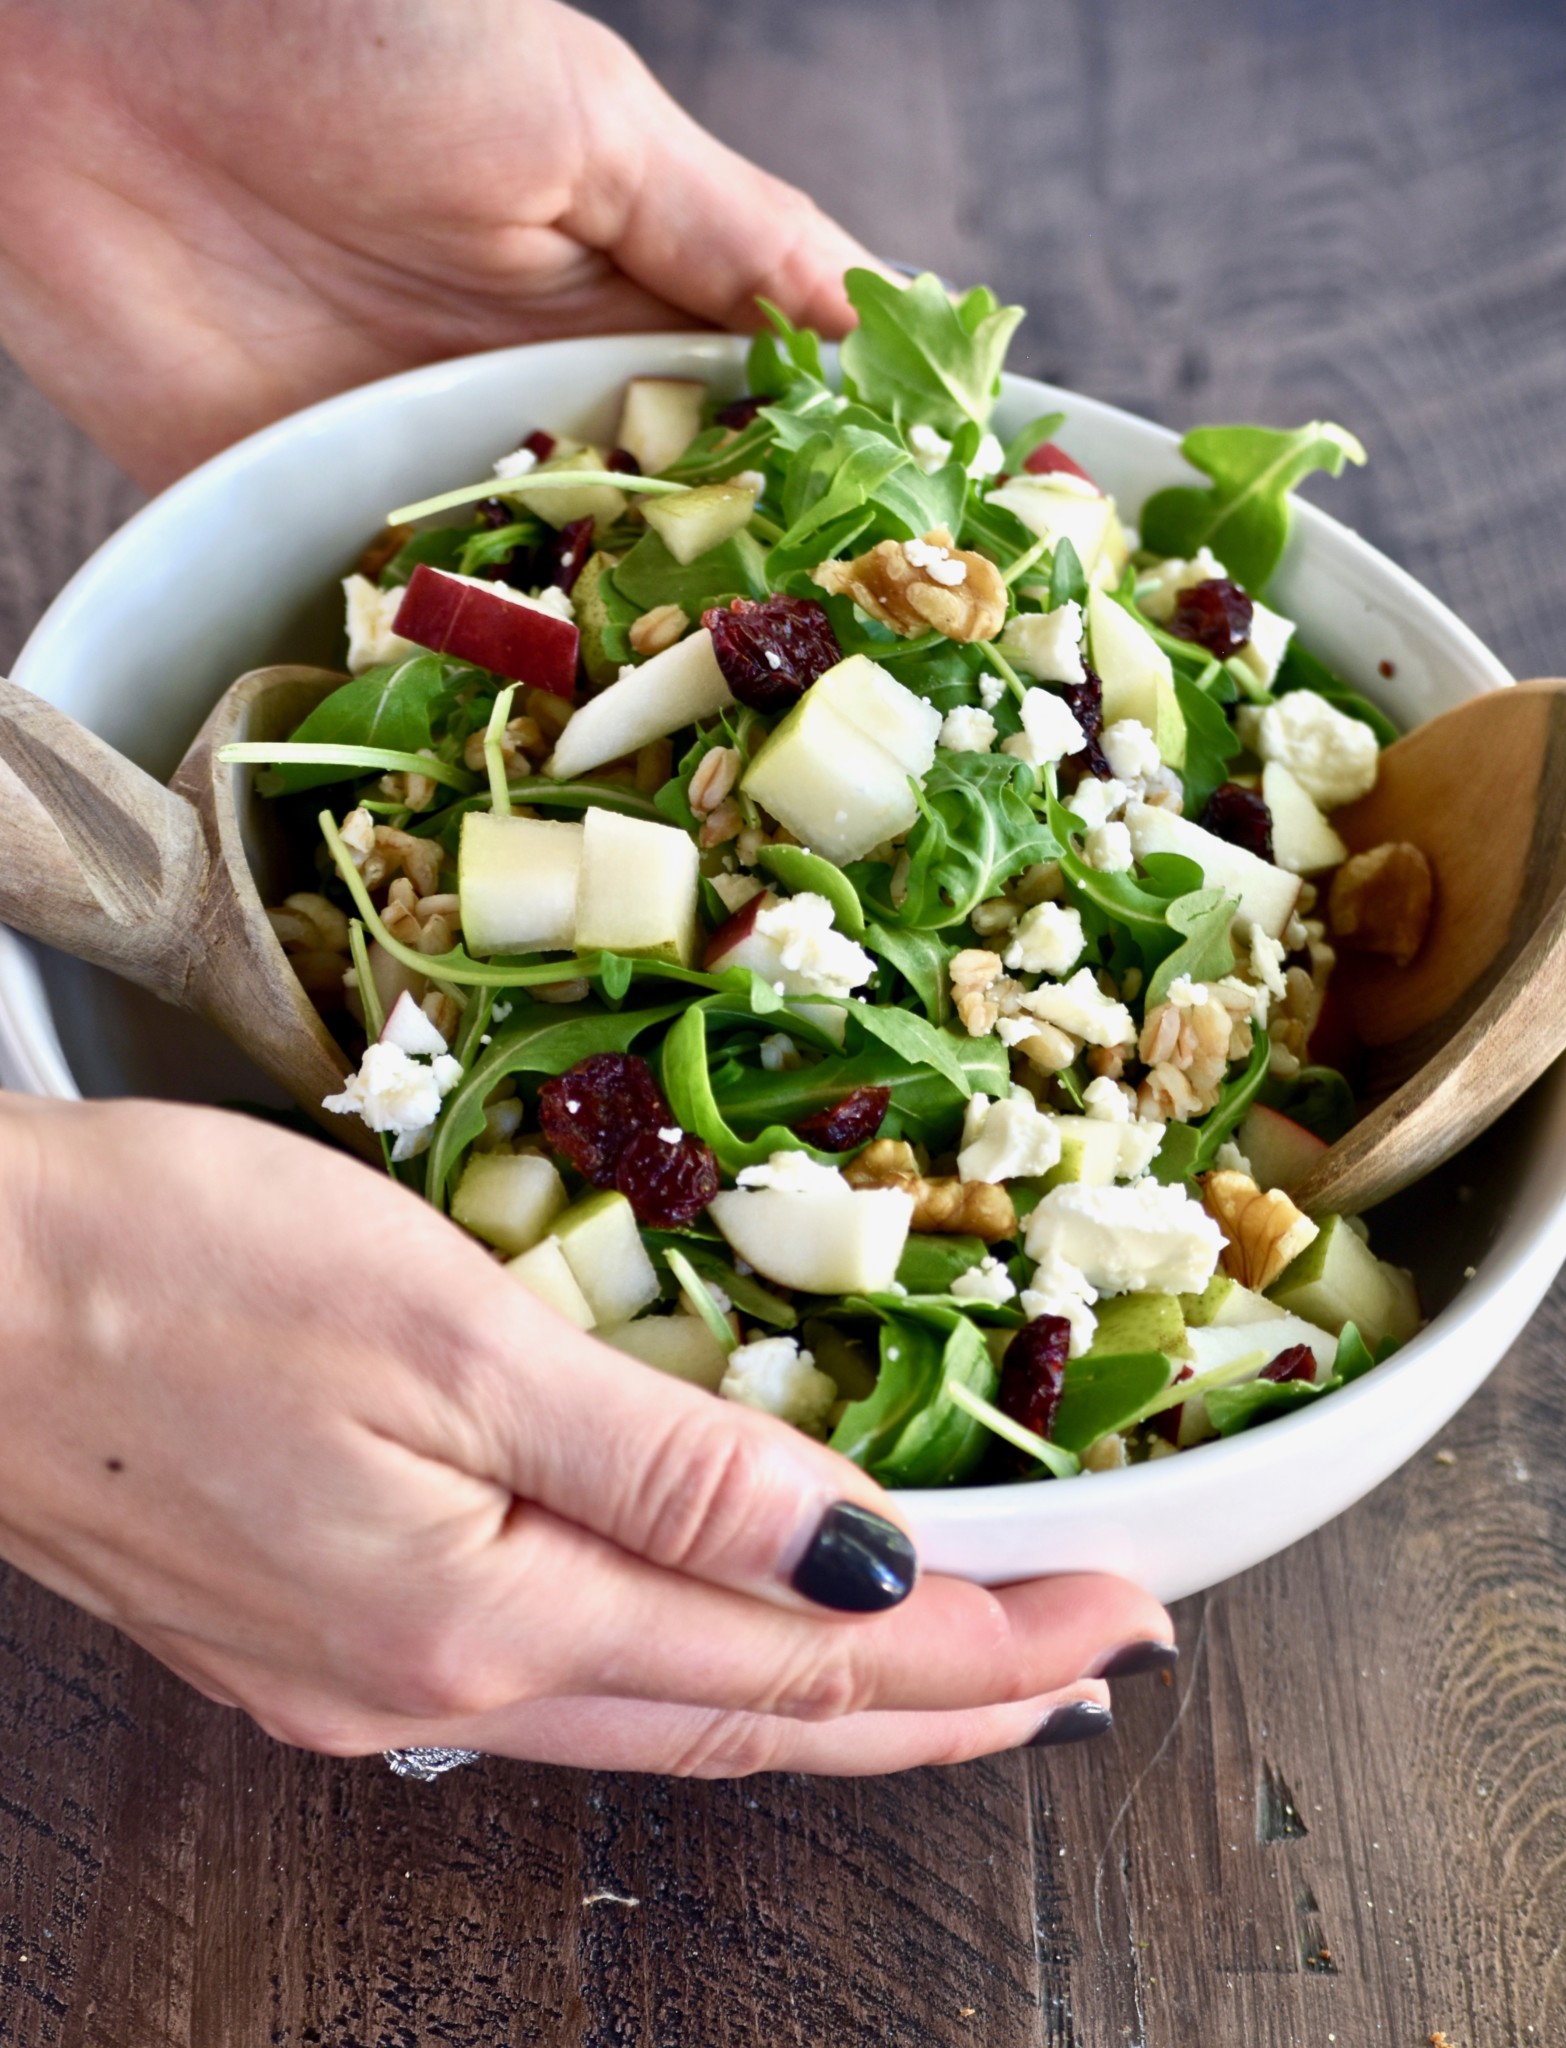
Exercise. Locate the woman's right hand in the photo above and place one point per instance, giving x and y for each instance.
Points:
(284, 1425)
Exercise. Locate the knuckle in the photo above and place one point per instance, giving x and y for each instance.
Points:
(698, 1500)
(313, 1725)
(832, 1680)
(731, 1745)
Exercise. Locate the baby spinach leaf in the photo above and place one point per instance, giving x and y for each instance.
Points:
(910, 1432)
(1058, 1463)
(977, 828)
(1300, 670)
(649, 575)
(920, 357)
(929, 1264)
(906, 1382)
(543, 1040)
(1355, 1358)
(926, 1106)
(1204, 953)
(801, 872)
(1107, 1393)
(486, 544)
(912, 503)
(1320, 1098)
(393, 706)
(687, 1081)
(1243, 514)
(1211, 743)
(1231, 1409)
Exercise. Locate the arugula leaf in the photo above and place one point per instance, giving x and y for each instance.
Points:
(910, 1432)
(807, 873)
(687, 1081)
(977, 828)
(1211, 743)
(440, 546)
(912, 503)
(1058, 1463)
(485, 544)
(781, 361)
(1107, 1393)
(1026, 439)
(649, 575)
(914, 1039)
(1234, 1099)
(918, 356)
(713, 1261)
(1067, 578)
(921, 959)
(1300, 670)
(393, 706)
(1131, 909)
(1243, 514)
(1205, 954)
(545, 1039)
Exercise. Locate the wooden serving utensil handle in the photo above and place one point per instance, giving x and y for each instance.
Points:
(99, 858)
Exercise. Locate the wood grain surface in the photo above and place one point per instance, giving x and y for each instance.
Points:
(1344, 1823)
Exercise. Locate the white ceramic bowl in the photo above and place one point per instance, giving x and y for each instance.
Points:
(235, 565)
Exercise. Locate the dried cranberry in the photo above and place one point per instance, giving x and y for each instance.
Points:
(561, 559)
(1166, 1423)
(1033, 1373)
(853, 1121)
(770, 653)
(495, 512)
(622, 459)
(667, 1182)
(1297, 1363)
(1241, 817)
(1085, 701)
(1215, 614)
(591, 1112)
(540, 444)
(740, 414)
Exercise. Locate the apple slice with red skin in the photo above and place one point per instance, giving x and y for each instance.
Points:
(736, 943)
(1050, 459)
(492, 627)
(1281, 1151)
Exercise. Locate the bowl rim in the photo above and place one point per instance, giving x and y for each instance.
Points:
(1513, 1273)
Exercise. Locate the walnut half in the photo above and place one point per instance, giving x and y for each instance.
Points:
(1381, 900)
(922, 586)
(1266, 1232)
(962, 1208)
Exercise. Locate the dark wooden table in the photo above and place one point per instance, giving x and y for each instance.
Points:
(1345, 1822)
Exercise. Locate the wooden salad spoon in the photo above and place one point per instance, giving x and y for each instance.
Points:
(164, 886)
(1452, 1039)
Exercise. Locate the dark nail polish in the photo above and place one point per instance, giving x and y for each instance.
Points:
(1136, 1658)
(1074, 1722)
(858, 1562)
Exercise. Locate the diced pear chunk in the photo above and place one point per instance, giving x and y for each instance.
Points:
(1137, 675)
(680, 1345)
(638, 889)
(517, 880)
(659, 419)
(837, 791)
(695, 522)
(833, 1243)
(608, 1260)
(1302, 840)
(545, 1272)
(673, 689)
(509, 1199)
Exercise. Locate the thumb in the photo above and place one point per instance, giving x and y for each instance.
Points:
(707, 230)
(668, 1471)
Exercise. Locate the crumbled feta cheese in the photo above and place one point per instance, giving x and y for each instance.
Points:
(779, 1053)
(411, 1031)
(1263, 652)
(735, 891)
(774, 1375)
(967, 729)
(1184, 993)
(1094, 802)
(1007, 1140)
(397, 1094)
(1049, 731)
(928, 448)
(517, 463)
(1332, 756)
(1047, 939)
(1158, 589)
(371, 613)
(669, 1134)
(822, 961)
(1267, 958)
(793, 1173)
(748, 480)
(1047, 645)
(1130, 749)
(501, 1012)
(1108, 848)
(991, 691)
(1058, 1288)
(1230, 1159)
(1129, 1240)
(1080, 1007)
(551, 599)
(987, 1281)
(937, 563)
(987, 457)
(1106, 1101)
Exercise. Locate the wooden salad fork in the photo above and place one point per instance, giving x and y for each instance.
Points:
(1455, 1037)
(164, 885)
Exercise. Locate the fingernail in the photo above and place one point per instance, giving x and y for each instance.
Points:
(1074, 1722)
(858, 1562)
(1135, 1658)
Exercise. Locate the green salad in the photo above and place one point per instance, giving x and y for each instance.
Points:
(849, 919)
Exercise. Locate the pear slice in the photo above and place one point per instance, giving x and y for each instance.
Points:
(673, 689)
(517, 882)
(1137, 675)
(696, 522)
(846, 1242)
(638, 889)
(1267, 894)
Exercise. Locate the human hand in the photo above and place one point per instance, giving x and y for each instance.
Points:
(218, 213)
(276, 1419)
